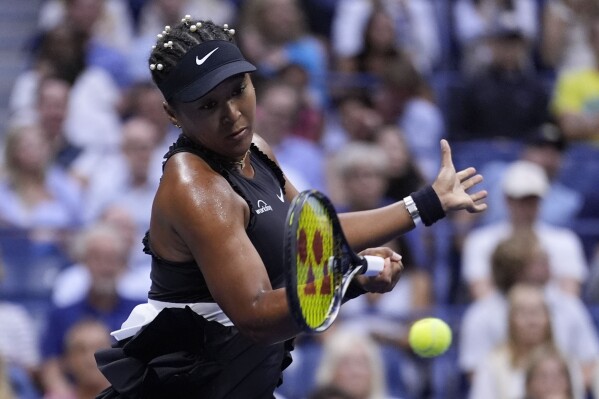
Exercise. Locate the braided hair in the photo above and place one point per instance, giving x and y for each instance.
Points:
(173, 43)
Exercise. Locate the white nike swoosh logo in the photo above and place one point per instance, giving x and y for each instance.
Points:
(281, 197)
(201, 61)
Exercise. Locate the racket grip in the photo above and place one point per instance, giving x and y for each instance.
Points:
(374, 265)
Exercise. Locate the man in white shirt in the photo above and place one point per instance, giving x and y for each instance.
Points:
(519, 259)
(524, 185)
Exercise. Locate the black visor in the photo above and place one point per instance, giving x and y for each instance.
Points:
(202, 69)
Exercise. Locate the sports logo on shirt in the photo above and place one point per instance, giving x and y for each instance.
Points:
(262, 207)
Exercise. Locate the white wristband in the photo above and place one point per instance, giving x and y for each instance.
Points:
(412, 210)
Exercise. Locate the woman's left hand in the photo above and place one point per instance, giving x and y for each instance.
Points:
(451, 186)
(388, 277)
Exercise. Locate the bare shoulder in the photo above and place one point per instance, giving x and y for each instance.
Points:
(263, 146)
(192, 203)
(188, 177)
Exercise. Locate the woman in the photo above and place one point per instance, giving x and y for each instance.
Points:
(217, 323)
(352, 362)
(503, 373)
(550, 376)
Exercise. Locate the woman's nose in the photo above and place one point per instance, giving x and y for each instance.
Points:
(231, 112)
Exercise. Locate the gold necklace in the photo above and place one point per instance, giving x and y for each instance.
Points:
(241, 162)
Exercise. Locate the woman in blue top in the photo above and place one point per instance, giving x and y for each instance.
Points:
(217, 322)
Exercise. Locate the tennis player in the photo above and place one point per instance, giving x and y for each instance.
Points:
(217, 323)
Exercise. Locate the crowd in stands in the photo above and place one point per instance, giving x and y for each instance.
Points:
(354, 97)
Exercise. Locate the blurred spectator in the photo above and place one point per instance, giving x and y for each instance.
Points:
(156, 14)
(35, 193)
(546, 147)
(505, 98)
(277, 113)
(73, 282)
(521, 259)
(353, 363)
(403, 175)
(548, 376)
(404, 98)
(414, 26)
(19, 340)
(311, 114)
(93, 119)
(576, 96)
(524, 184)
(352, 118)
(82, 340)
(359, 173)
(110, 20)
(380, 46)
(564, 41)
(474, 20)
(144, 100)
(53, 96)
(502, 374)
(103, 251)
(105, 28)
(125, 176)
(275, 36)
(39, 203)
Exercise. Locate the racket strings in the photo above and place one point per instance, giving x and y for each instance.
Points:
(315, 273)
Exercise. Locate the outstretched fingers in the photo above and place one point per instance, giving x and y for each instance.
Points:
(478, 206)
(472, 181)
(466, 174)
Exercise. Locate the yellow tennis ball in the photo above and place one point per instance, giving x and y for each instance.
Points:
(430, 337)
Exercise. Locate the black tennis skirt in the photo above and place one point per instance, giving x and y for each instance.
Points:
(182, 355)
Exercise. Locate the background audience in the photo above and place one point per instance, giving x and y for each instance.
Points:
(353, 96)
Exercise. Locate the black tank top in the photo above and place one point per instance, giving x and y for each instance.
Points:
(183, 282)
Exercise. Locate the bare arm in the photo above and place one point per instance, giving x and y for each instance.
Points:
(377, 226)
(197, 212)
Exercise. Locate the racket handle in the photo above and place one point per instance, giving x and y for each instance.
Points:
(374, 265)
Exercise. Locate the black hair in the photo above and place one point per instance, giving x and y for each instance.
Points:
(183, 39)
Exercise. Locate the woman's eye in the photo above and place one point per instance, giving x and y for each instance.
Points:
(240, 90)
(209, 105)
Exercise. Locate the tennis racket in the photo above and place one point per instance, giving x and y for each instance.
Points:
(319, 262)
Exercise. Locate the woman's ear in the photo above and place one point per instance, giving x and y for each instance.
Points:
(170, 113)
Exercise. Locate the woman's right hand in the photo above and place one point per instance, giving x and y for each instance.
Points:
(388, 277)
